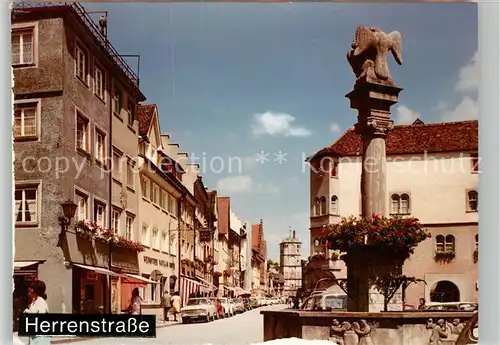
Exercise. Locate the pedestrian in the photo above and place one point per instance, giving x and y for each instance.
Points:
(135, 302)
(421, 305)
(167, 304)
(176, 304)
(38, 305)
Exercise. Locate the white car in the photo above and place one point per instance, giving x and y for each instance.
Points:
(198, 309)
(228, 307)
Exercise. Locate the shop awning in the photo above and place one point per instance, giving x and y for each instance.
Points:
(141, 279)
(239, 291)
(99, 270)
(206, 283)
(23, 264)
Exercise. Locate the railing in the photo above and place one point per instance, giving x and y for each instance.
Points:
(101, 39)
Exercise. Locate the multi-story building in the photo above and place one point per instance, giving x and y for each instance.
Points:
(65, 96)
(205, 218)
(158, 211)
(259, 262)
(291, 264)
(276, 282)
(226, 260)
(234, 247)
(432, 174)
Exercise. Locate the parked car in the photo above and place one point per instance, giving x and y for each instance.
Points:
(452, 306)
(254, 302)
(228, 307)
(239, 305)
(197, 309)
(248, 303)
(325, 302)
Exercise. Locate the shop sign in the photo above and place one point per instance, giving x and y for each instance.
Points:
(91, 276)
(156, 262)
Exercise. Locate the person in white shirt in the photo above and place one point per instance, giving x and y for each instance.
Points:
(38, 305)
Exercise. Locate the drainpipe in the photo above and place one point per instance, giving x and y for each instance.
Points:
(179, 216)
(110, 201)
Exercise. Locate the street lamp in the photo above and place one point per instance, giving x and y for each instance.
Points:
(69, 209)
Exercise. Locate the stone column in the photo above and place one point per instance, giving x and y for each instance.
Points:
(373, 101)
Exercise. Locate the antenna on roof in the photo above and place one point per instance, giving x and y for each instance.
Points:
(290, 230)
(103, 22)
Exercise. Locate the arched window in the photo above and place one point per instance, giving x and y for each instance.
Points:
(472, 201)
(317, 207)
(323, 205)
(400, 204)
(404, 206)
(449, 244)
(395, 204)
(316, 242)
(445, 291)
(439, 243)
(334, 205)
(476, 238)
(323, 241)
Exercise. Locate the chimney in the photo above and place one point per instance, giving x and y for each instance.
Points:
(293, 234)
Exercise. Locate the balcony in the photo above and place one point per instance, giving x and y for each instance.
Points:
(96, 34)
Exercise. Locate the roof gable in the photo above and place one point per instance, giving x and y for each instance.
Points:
(146, 114)
(412, 139)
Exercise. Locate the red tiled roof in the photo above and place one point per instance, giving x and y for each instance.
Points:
(415, 138)
(146, 114)
(223, 208)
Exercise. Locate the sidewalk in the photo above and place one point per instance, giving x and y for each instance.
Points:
(73, 339)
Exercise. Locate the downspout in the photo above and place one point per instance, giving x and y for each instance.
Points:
(110, 202)
(179, 215)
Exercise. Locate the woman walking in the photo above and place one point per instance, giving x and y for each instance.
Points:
(135, 303)
(38, 305)
(176, 304)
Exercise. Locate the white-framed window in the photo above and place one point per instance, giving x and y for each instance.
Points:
(400, 204)
(162, 199)
(130, 113)
(117, 165)
(26, 118)
(155, 191)
(117, 99)
(474, 158)
(145, 187)
(99, 212)
(82, 132)
(81, 63)
(155, 239)
(440, 244)
(130, 173)
(145, 238)
(115, 220)
(100, 145)
(129, 226)
(164, 242)
(317, 207)
(472, 201)
(23, 46)
(334, 206)
(99, 82)
(82, 201)
(27, 204)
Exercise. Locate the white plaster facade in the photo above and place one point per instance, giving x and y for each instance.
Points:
(437, 187)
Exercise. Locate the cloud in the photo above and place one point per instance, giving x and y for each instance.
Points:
(468, 76)
(467, 85)
(405, 115)
(467, 109)
(244, 184)
(235, 184)
(271, 123)
(249, 162)
(335, 128)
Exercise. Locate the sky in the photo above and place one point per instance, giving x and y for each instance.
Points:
(235, 82)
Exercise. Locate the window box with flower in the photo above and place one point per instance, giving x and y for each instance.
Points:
(317, 256)
(227, 273)
(217, 274)
(93, 231)
(444, 256)
(475, 256)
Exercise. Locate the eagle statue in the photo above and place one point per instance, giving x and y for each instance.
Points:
(368, 56)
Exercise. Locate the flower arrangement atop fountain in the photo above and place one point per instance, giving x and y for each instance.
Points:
(317, 256)
(93, 231)
(390, 233)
